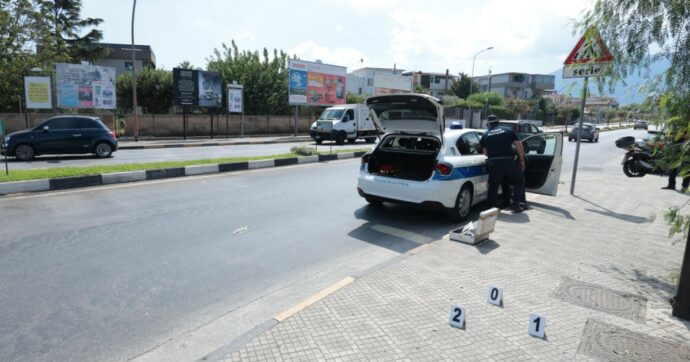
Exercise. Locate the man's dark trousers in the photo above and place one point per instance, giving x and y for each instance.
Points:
(500, 169)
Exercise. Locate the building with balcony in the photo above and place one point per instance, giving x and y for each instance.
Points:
(516, 85)
(435, 84)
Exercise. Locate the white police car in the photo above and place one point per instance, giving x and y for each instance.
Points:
(416, 163)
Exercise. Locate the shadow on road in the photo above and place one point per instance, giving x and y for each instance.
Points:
(400, 228)
(606, 212)
(552, 210)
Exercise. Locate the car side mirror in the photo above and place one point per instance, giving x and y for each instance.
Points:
(46, 128)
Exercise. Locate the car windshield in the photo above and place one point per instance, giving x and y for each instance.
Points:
(331, 114)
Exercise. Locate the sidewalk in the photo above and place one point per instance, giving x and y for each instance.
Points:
(595, 265)
(128, 143)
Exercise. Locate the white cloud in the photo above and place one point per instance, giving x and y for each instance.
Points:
(311, 51)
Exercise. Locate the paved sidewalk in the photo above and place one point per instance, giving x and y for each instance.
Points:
(128, 143)
(595, 265)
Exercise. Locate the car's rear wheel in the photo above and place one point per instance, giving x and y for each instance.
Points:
(24, 152)
(351, 140)
(370, 139)
(463, 205)
(319, 141)
(103, 150)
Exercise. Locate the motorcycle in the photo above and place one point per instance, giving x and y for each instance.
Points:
(638, 161)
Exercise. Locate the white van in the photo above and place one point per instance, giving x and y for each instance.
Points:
(344, 122)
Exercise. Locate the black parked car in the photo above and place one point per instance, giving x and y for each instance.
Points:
(62, 135)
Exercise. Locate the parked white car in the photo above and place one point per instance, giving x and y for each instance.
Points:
(417, 164)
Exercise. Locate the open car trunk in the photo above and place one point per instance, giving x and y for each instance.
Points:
(405, 157)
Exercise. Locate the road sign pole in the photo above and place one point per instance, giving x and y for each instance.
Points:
(579, 131)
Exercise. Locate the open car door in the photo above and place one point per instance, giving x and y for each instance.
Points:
(543, 160)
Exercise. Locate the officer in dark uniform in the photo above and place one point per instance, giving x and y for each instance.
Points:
(497, 145)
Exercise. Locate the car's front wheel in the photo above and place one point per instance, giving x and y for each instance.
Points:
(463, 204)
(103, 150)
(24, 152)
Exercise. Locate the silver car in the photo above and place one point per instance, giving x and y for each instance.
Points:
(589, 132)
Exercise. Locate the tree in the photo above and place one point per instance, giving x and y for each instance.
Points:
(639, 32)
(463, 87)
(154, 90)
(517, 106)
(185, 65)
(16, 58)
(353, 98)
(265, 78)
(60, 23)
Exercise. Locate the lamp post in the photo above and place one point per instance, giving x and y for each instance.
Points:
(361, 75)
(134, 81)
(472, 79)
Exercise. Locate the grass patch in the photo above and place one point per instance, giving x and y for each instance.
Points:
(673, 277)
(47, 173)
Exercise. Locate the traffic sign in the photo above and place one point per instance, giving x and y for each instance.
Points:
(589, 58)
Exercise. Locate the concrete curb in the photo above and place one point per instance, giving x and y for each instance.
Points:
(212, 144)
(65, 183)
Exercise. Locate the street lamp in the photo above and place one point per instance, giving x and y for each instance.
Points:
(134, 81)
(472, 79)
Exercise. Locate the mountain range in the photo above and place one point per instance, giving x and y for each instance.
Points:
(630, 90)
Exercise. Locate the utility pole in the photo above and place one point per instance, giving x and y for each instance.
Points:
(134, 81)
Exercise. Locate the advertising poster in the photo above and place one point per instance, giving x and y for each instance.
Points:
(210, 89)
(85, 86)
(385, 83)
(316, 83)
(235, 100)
(38, 93)
(185, 85)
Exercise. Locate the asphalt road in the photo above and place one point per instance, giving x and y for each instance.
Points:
(177, 268)
(110, 273)
(173, 154)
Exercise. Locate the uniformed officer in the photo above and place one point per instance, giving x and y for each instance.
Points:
(497, 145)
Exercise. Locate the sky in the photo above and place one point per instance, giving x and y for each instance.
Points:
(530, 36)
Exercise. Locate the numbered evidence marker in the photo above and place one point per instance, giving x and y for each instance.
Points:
(456, 318)
(495, 295)
(537, 325)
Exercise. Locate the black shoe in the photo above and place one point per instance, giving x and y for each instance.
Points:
(503, 205)
(525, 206)
(669, 187)
(515, 208)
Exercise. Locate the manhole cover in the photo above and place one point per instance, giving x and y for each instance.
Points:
(611, 343)
(596, 297)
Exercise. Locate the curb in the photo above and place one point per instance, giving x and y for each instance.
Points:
(65, 183)
(211, 144)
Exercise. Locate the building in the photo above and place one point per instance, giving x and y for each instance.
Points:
(120, 57)
(435, 84)
(516, 85)
(361, 81)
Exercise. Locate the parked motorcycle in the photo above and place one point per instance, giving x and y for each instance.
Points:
(638, 161)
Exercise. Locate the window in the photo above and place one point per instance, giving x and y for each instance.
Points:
(85, 123)
(370, 82)
(60, 123)
(350, 114)
(468, 144)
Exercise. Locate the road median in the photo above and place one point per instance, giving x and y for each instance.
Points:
(24, 181)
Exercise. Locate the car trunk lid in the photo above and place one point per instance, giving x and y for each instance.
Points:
(416, 114)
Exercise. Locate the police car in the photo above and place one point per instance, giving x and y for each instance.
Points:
(419, 163)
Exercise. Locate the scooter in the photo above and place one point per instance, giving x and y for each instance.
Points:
(638, 161)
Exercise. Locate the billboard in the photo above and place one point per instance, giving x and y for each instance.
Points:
(316, 83)
(85, 86)
(197, 88)
(38, 93)
(385, 83)
(235, 98)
